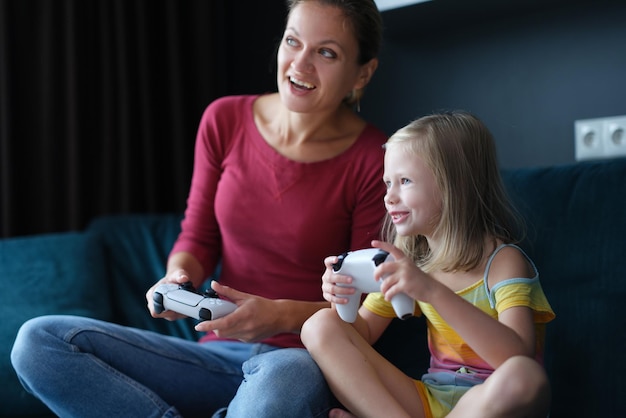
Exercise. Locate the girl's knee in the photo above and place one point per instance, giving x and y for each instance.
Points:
(317, 327)
(524, 375)
(521, 383)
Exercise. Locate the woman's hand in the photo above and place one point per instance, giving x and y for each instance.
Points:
(255, 318)
(330, 280)
(176, 277)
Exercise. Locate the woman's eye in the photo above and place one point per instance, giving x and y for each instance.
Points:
(291, 41)
(327, 53)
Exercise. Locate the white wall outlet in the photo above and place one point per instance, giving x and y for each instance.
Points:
(588, 136)
(600, 138)
(615, 136)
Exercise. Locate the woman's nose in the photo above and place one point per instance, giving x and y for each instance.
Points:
(302, 61)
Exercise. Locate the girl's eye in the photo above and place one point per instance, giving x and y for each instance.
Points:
(327, 53)
(405, 181)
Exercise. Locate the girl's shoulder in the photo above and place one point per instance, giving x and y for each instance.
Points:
(508, 261)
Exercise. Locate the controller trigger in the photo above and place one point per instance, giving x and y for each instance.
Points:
(187, 286)
(380, 257)
(340, 258)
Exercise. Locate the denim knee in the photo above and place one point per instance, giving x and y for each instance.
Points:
(285, 382)
(287, 363)
(27, 344)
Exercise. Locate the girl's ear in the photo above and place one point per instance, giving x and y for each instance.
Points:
(366, 72)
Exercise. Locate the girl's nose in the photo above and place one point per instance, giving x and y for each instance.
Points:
(390, 197)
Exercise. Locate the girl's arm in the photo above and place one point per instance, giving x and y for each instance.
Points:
(493, 340)
(370, 325)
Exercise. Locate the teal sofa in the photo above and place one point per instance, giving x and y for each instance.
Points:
(576, 216)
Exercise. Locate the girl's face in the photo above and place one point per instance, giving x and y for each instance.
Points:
(413, 199)
(317, 59)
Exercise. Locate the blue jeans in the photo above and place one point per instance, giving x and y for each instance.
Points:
(84, 367)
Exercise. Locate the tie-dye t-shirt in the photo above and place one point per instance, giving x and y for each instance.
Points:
(449, 352)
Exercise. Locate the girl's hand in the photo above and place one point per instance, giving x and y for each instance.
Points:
(254, 319)
(401, 275)
(176, 277)
(331, 292)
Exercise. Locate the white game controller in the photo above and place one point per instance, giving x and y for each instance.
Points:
(186, 300)
(360, 266)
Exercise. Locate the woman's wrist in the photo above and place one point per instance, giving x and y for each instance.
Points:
(291, 314)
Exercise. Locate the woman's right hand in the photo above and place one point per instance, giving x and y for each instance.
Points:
(179, 276)
(330, 280)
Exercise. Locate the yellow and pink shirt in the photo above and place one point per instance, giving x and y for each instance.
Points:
(449, 352)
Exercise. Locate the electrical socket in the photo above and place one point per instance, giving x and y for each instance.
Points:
(600, 138)
(615, 136)
(588, 135)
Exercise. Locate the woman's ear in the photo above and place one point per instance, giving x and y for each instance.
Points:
(365, 73)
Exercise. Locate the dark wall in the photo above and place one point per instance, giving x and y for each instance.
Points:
(528, 69)
(252, 32)
(100, 100)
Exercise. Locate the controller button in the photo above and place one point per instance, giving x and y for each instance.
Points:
(205, 314)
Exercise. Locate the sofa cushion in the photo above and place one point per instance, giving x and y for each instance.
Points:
(137, 247)
(49, 274)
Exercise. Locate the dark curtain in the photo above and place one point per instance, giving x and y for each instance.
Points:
(100, 101)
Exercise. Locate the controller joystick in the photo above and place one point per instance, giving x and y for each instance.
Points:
(184, 299)
(360, 266)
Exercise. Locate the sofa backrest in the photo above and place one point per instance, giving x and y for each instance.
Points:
(576, 215)
(136, 248)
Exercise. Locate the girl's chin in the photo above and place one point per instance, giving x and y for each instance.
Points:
(404, 232)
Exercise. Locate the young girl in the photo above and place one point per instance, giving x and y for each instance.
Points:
(453, 230)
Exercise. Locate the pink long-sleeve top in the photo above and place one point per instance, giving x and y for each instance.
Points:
(271, 220)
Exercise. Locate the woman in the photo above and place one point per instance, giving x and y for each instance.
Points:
(280, 181)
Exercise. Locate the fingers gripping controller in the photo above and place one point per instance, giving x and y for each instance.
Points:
(360, 266)
(186, 300)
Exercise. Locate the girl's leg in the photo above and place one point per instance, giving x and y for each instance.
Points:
(361, 379)
(284, 382)
(84, 367)
(518, 388)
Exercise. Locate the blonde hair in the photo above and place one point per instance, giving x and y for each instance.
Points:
(460, 151)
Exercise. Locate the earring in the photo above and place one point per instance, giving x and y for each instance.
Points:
(355, 94)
